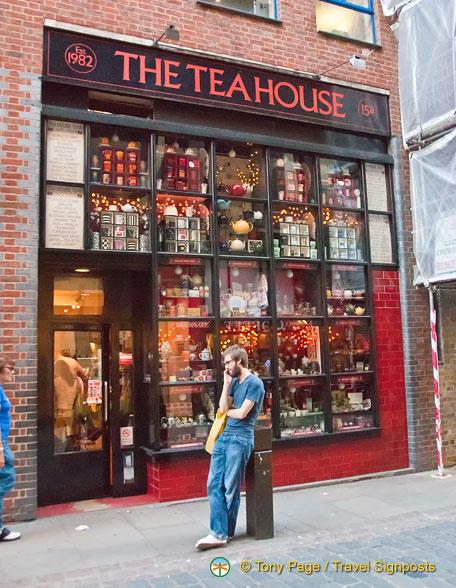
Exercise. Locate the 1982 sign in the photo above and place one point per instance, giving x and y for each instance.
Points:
(80, 58)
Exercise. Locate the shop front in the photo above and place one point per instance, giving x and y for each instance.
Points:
(188, 205)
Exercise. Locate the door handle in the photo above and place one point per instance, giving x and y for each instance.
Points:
(105, 401)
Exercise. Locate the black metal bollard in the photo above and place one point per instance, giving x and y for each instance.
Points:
(258, 482)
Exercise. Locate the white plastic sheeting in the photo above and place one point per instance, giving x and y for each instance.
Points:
(427, 65)
(433, 186)
(392, 6)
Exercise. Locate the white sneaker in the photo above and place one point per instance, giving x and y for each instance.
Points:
(209, 542)
(7, 535)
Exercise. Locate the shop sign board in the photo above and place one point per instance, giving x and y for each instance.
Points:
(108, 64)
(65, 152)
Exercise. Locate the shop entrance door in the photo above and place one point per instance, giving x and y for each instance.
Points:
(75, 455)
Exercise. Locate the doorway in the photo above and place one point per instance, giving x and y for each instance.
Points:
(93, 401)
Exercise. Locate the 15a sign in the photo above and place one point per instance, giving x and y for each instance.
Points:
(158, 73)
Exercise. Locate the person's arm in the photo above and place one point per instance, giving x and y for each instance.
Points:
(226, 401)
(2, 455)
(241, 413)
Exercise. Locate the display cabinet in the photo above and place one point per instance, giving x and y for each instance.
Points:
(298, 289)
(243, 288)
(240, 170)
(351, 403)
(184, 287)
(344, 235)
(292, 177)
(340, 183)
(349, 346)
(255, 337)
(301, 407)
(186, 351)
(186, 415)
(346, 290)
(241, 227)
(299, 350)
(294, 231)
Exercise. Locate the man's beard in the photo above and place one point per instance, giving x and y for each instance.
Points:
(235, 371)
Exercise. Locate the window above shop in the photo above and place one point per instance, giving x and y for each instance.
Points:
(351, 19)
(261, 8)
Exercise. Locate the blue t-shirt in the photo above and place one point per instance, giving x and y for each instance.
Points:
(251, 388)
(5, 415)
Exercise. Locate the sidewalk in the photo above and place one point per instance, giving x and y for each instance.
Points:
(399, 519)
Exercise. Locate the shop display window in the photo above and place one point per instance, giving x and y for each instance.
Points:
(255, 337)
(351, 402)
(292, 177)
(182, 164)
(243, 288)
(349, 346)
(119, 220)
(119, 160)
(344, 235)
(186, 415)
(241, 227)
(346, 290)
(240, 170)
(186, 351)
(340, 183)
(78, 295)
(301, 408)
(299, 348)
(295, 231)
(298, 291)
(184, 287)
(126, 386)
(183, 224)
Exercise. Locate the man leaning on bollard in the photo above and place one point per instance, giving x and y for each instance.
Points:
(242, 399)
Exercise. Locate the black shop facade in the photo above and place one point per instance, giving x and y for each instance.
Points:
(188, 204)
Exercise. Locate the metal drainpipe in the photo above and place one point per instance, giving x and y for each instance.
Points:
(405, 282)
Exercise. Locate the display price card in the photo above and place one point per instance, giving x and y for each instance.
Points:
(377, 195)
(64, 217)
(65, 152)
(380, 239)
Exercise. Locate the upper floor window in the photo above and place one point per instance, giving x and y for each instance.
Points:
(265, 8)
(353, 19)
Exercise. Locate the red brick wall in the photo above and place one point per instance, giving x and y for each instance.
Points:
(338, 458)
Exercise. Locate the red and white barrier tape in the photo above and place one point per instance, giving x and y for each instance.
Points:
(435, 365)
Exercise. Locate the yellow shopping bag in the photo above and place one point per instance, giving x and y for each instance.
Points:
(216, 429)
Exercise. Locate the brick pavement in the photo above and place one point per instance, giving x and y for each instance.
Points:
(412, 538)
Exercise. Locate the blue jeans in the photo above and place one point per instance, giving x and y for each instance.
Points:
(7, 476)
(226, 474)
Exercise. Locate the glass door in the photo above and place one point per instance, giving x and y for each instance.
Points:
(74, 432)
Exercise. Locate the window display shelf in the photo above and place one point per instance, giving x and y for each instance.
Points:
(120, 188)
(227, 198)
(333, 317)
(299, 316)
(184, 194)
(287, 377)
(295, 258)
(352, 373)
(343, 208)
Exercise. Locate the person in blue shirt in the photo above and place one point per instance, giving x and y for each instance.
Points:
(242, 399)
(7, 474)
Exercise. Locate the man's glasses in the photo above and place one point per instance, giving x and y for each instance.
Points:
(228, 362)
(11, 369)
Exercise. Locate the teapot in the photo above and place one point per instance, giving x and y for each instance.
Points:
(241, 227)
(359, 310)
(236, 245)
(192, 346)
(257, 215)
(205, 355)
(235, 190)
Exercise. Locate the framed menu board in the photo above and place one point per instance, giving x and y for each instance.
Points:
(64, 217)
(65, 152)
(377, 194)
(380, 238)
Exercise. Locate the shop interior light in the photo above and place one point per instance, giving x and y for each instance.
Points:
(82, 270)
(169, 33)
